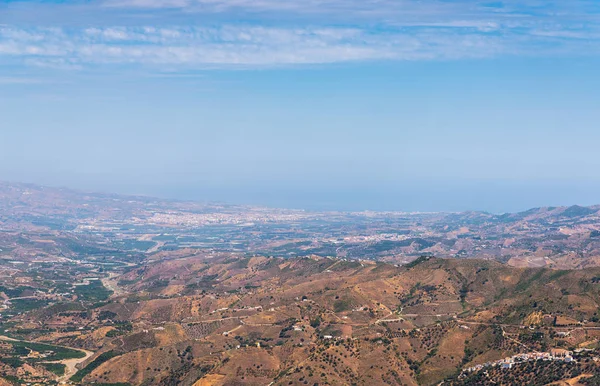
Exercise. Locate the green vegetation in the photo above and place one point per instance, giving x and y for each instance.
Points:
(13, 380)
(136, 245)
(121, 328)
(12, 362)
(124, 282)
(464, 290)
(241, 264)
(157, 285)
(94, 292)
(577, 211)
(80, 248)
(529, 373)
(316, 322)
(24, 305)
(17, 355)
(557, 274)
(592, 381)
(104, 315)
(78, 377)
(341, 305)
(54, 353)
(528, 281)
(60, 307)
(416, 262)
(388, 245)
(16, 292)
(56, 368)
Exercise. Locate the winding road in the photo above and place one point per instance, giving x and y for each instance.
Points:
(70, 364)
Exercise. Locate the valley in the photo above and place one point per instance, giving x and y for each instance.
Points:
(102, 290)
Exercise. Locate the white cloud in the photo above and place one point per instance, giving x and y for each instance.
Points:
(401, 10)
(384, 30)
(232, 45)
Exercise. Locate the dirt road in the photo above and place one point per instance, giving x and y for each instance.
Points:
(70, 364)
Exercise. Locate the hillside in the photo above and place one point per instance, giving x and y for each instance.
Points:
(108, 289)
(197, 318)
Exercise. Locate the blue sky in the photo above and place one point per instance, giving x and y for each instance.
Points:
(325, 104)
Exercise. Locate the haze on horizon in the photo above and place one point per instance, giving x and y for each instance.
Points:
(325, 104)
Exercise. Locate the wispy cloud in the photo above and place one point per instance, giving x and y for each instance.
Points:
(411, 11)
(368, 30)
(235, 46)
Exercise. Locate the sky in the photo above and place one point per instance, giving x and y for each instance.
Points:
(401, 105)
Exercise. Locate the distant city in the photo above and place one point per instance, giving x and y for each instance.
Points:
(92, 283)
